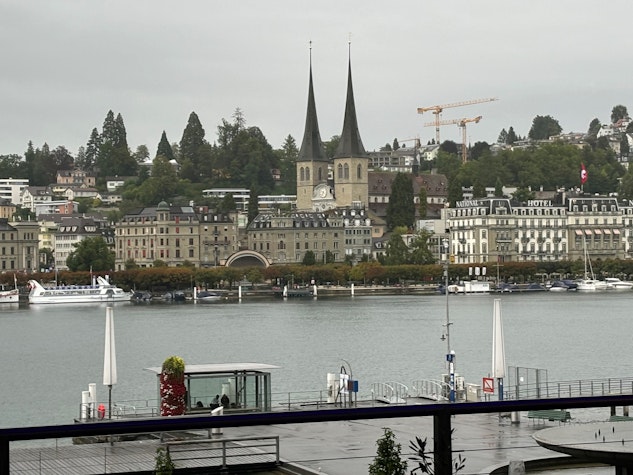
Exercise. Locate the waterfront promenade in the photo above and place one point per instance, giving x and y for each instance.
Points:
(335, 441)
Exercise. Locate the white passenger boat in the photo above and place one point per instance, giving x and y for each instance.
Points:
(101, 290)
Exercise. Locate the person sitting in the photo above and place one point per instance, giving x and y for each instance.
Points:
(216, 402)
(199, 404)
(225, 401)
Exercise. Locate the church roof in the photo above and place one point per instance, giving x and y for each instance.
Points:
(350, 145)
(311, 147)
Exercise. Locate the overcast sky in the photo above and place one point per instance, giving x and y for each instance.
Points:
(66, 63)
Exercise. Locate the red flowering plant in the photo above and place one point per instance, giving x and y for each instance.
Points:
(172, 387)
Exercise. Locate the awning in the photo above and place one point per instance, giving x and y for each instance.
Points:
(588, 232)
(578, 232)
(616, 231)
(597, 231)
(607, 231)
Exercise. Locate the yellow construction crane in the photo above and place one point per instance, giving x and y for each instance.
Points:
(437, 111)
(461, 123)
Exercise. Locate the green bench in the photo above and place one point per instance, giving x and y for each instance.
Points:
(550, 415)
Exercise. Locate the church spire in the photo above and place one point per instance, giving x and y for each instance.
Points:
(311, 147)
(350, 145)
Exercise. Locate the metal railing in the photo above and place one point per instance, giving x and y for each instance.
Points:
(571, 388)
(221, 452)
(430, 389)
(391, 392)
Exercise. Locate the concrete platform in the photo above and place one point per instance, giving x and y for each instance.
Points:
(486, 441)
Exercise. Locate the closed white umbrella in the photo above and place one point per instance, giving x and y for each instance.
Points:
(498, 350)
(109, 357)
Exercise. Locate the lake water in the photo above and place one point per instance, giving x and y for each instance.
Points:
(50, 353)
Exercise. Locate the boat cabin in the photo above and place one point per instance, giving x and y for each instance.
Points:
(238, 387)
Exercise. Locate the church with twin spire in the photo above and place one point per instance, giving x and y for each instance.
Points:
(349, 185)
(330, 221)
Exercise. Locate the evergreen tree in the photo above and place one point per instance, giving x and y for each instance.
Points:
(114, 157)
(29, 159)
(288, 165)
(120, 132)
(309, 258)
(624, 147)
(498, 188)
(227, 204)
(401, 207)
(455, 192)
(512, 136)
(594, 127)
(423, 206)
(253, 205)
(109, 129)
(503, 137)
(191, 147)
(80, 158)
(92, 150)
(479, 191)
(164, 149)
(396, 145)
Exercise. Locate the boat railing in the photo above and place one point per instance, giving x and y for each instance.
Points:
(430, 389)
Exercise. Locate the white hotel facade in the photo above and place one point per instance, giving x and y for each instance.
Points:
(496, 230)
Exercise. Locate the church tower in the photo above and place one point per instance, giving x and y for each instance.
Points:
(351, 162)
(312, 163)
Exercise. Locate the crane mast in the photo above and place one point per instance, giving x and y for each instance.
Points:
(461, 123)
(437, 111)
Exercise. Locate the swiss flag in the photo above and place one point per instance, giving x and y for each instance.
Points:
(583, 174)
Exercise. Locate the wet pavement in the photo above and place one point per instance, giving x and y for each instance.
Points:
(486, 441)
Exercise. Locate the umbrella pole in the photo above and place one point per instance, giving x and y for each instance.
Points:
(110, 401)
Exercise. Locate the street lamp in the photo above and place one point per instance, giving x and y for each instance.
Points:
(450, 355)
(447, 335)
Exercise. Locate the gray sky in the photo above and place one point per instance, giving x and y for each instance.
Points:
(66, 63)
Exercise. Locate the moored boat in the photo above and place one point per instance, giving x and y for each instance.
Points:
(558, 286)
(101, 290)
(208, 296)
(10, 295)
(614, 283)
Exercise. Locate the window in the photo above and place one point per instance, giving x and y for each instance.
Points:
(339, 173)
(346, 171)
(359, 172)
(307, 173)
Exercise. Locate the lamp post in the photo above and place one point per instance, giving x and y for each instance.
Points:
(445, 244)
(450, 355)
